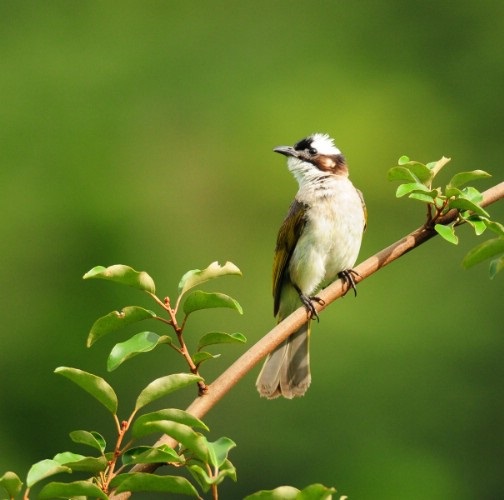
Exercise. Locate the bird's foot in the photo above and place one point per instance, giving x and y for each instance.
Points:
(347, 276)
(308, 303)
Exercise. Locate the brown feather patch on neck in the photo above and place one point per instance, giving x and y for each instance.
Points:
(331, 163)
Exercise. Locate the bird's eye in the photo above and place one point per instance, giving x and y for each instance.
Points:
(312, 151)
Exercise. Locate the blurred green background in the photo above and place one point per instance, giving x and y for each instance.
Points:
(141, 133)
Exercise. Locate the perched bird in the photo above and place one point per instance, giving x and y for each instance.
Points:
(318, 241)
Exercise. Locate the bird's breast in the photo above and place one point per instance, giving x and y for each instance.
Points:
(331, 239)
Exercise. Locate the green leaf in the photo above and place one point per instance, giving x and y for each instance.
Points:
(201, 356)
(472, 194)
(483, 251)
(11, 483)
(93, 439)
(464, 177)
(138, 344)
(213, 338)
(447, 232)
(202, 300)
(410, 171)
(476, 223)
(218, 451)
(464, 204)
(401, 174)
(139, 428)
(479, 226)
(227, 469)
(427, 197)
(123, 275)
(89, 464)
(116, 320)
(197, 277)
(195, 442)
(316, 492)
(67, 456)
(141, 481)
(312, 492)
(200, 473)
(148, 455)
(421, 172)
(280, 493)
(94, 385)
(409, 187)
(496, 266)
(43, 469)
(81, 463)
(163, 386)
(71, 490)
(495, 227)
(436, 166)
(453, 192)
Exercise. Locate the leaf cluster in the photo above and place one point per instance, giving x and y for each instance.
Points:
(146, 341)
(206, 461)
(112, 467)
(417, 183)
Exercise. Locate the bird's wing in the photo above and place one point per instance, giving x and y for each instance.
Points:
(288, 236)
(364, 208)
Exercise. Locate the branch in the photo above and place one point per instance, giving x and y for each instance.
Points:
(201, 405)
(228, 379)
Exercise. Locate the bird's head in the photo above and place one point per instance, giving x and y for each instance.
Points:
(314, 157)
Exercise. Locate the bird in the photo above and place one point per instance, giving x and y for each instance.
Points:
(318, 241)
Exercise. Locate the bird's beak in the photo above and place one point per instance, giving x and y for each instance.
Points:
(286, 150)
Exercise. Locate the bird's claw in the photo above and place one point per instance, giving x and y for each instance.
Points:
(308, 303)
(347, 276)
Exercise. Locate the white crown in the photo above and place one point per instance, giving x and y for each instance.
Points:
(324, 144)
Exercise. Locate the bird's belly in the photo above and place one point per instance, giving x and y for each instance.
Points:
(329, 244)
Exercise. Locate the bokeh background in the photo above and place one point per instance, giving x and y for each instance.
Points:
(141, 133)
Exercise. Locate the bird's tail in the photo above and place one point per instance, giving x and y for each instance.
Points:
(286, 371)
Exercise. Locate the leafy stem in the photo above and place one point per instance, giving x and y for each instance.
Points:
(110, 471)
(182, 348)
(146, 341)
(416, 182)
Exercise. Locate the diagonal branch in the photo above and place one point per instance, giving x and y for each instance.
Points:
(228, 379)
(280, 332)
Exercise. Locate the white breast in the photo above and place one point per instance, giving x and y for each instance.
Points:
(332, 236)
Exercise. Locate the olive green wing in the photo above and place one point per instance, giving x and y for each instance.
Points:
(288, 236)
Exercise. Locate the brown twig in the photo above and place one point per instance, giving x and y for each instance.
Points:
(179, 329)
(226, 381)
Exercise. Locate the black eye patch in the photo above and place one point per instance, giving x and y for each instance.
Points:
(302, 145)
(306, 145)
